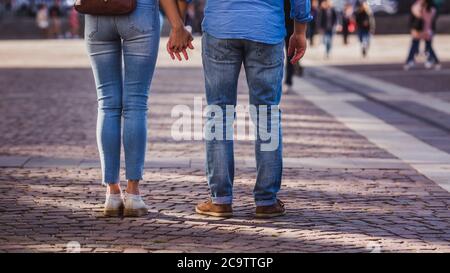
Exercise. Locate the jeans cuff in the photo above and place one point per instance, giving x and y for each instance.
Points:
(222, 200)
(269, 202)
(134, 177)
(106, 183)
(109, 179)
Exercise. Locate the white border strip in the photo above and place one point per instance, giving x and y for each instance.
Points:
(426, 159)
(389, 89)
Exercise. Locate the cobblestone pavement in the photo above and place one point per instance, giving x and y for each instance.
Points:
(328, 210)
(49, 108)
(48, 100)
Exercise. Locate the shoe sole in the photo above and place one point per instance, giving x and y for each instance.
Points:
(269, 215)
(135, 212)
(112, 213)
(215, 214)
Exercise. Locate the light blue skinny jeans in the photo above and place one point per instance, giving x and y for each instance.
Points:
(123, 51)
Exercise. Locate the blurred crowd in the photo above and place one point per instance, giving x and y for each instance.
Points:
(54, 18)
(49, 20)
(353, 17)
(58, 19)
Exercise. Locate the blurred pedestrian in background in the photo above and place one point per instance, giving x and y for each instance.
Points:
(161, 19)
(74, 23)
(365, 25)
(311, 31)
(346, 21)
(422, 25)
(429, 14)
(55, 20)
(199, 8)
(416, 27)
(190, 17)
(327, 19)
(42, 20)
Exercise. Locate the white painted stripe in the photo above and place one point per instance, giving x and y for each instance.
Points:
(426, 159)
(389, 88)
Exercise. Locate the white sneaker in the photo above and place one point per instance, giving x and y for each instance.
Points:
(134, 206)
(287, 89)
(113, 205)
(428, 65)
(408, 66)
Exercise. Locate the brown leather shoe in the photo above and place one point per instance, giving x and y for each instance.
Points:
(274, 210)
(211, 209)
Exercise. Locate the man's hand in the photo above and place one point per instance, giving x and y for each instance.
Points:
(297, 43)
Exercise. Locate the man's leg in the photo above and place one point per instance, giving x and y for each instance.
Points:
(222, 60)
(264, 69)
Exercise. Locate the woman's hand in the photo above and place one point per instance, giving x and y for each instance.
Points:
(179, 40)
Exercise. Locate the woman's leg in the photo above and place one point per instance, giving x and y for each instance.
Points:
(327, 41)
(345, 33)
(365, 42)
(330, 42)
(413, 50)
(140, 49)
(104, 49)
(311, 35)
(432, 57)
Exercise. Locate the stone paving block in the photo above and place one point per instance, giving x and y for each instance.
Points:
(246, 163)
(89, 163)
(379, 163)
(45, 162)
(345, 163)
(197, 163)
(13, 161)
(168, 163)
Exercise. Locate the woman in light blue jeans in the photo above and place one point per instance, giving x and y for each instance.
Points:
(123, 51)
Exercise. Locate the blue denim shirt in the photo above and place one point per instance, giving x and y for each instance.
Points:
(255, 20)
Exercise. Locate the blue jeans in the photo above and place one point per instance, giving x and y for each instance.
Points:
(414, 50)
(364, 38)
(263, 64)
(432, 57)
(328, 41)
(123, 51)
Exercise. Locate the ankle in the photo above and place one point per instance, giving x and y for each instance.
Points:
(133, 187)
(113, 189)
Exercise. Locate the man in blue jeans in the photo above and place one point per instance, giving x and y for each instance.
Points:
(251, 33)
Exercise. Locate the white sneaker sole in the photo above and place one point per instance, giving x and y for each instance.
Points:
(113, 212)
(135, 212)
